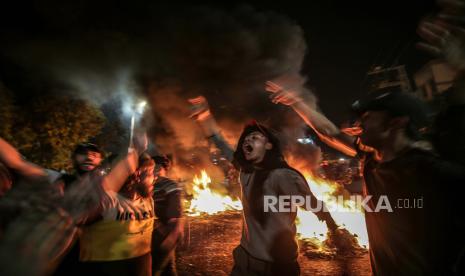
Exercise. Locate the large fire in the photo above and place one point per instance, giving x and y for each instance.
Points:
(207, 201)
(347, 214)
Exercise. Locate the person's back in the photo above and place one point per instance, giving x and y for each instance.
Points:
(405, 240)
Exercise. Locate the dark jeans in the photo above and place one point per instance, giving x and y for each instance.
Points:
(245, 264)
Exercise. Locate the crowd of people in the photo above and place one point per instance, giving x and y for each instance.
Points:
(124, 216)
(405, 153)
(97, 221)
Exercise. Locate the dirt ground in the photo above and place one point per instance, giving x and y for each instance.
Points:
(212, 239)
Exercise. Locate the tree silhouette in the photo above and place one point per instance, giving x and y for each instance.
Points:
(48, 128)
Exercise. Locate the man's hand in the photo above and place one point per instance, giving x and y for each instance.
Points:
(445, 41)
(443, 35)
(140, 141)
(201, 113)
(281, 95)
(199, 107)
(175, 236)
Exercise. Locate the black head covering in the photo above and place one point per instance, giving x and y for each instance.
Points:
(83, 148)
(273, 158)
(398, 103)
(162, 160)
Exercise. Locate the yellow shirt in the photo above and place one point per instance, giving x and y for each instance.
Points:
(125, 231)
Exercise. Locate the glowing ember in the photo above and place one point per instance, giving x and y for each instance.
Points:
(207, 201)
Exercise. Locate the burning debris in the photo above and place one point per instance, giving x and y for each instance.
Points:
(213, 238)
(207, 201)
(314, 234)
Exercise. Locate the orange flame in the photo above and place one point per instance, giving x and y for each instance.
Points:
(207, 201)
(347, 214)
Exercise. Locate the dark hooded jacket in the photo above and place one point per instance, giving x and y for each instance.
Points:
(268, 236)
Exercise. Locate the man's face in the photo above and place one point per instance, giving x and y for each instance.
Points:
(147, 178)
(88, 161)
(376, 130)
(255, 146)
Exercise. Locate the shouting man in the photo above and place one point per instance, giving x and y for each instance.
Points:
(268, 245)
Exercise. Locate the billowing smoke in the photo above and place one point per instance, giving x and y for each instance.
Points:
(166, 54)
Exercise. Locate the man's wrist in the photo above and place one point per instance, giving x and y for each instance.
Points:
(214, 133)
(212, 136)
(203, 116)
(332, 226)
(300, 103)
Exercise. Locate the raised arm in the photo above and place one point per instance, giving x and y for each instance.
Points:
(201, 113)
(322, 126)
(444, 37)
(125, 167)
(13, 160)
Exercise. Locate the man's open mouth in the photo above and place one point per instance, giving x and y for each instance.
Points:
(248, 148)
(87, 165)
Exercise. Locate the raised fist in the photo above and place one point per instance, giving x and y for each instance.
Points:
(199, 108)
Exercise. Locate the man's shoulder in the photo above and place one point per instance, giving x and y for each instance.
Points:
(167, 185)
(286, 174)
(53, 175)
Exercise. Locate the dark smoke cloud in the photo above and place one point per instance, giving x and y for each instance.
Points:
(166, 53)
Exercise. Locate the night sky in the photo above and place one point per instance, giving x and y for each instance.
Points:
(343, 40)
